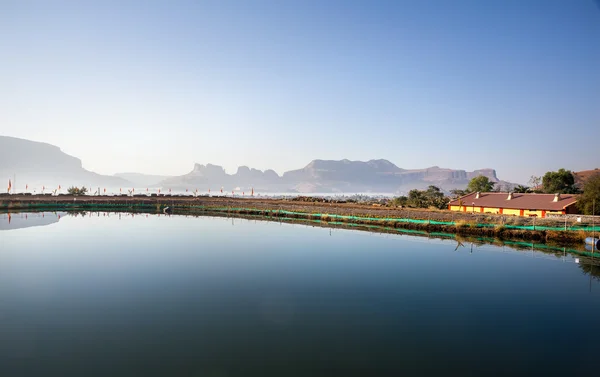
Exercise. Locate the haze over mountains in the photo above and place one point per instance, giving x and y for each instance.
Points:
(40, 164)
(37, 164)
(326, 176)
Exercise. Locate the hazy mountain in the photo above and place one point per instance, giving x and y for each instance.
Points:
(205, 177)
(327, 176)
(142, 180)
(39, 164)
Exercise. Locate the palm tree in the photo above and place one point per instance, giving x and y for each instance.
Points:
(521, 189)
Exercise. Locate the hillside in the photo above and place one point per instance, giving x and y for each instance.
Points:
(142, 180)
(327, 176)
(582, 176)
(38, 164)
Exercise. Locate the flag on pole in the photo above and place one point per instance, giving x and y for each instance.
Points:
(9, 187)
(252, 192)
(9, 218)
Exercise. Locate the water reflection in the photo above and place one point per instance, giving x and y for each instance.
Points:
(135, 294)
(11, 221)
(586, 259)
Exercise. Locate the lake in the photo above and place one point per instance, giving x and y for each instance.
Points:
(148, 295)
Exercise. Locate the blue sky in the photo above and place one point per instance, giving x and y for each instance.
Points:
(154, 86)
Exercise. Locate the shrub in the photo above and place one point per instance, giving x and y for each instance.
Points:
(77, 190)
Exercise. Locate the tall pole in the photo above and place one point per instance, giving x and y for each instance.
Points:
(593, 239)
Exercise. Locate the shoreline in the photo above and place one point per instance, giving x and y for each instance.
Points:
(553, 248)
(431, 221)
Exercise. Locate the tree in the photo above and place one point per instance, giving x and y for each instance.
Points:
(436, 198)
(400, 201)
(77, 190)
(589, 201)
(521, 189)
(535, 182)
(432, 197)
(456, 193)
(416, 198)
(481, 183)
(561, 181)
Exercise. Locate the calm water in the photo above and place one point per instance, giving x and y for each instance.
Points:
(177, 296)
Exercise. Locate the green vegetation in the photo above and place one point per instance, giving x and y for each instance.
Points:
(521, 189)
(456, 193)
(589, 202)
(432, 197)
(561, 181)
(400, 201)
(77, 190)
(481, 183)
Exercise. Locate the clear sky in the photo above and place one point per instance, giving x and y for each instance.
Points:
(154, 86)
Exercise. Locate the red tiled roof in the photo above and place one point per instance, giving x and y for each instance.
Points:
(518, 201)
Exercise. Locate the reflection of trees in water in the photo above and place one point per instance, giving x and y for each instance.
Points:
(590, 266)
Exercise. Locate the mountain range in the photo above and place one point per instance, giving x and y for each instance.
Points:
(327, 176)
(39, 164)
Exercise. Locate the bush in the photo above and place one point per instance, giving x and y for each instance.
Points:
(561, 181)
(432, 197)
(77, 190)
(589, 202)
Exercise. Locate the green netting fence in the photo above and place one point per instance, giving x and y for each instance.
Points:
(334, 217)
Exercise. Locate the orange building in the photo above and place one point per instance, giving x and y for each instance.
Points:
(538, 205)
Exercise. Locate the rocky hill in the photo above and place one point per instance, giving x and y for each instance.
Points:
(140, 180)
(327, 176)
(582, 176)
(38, 164)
